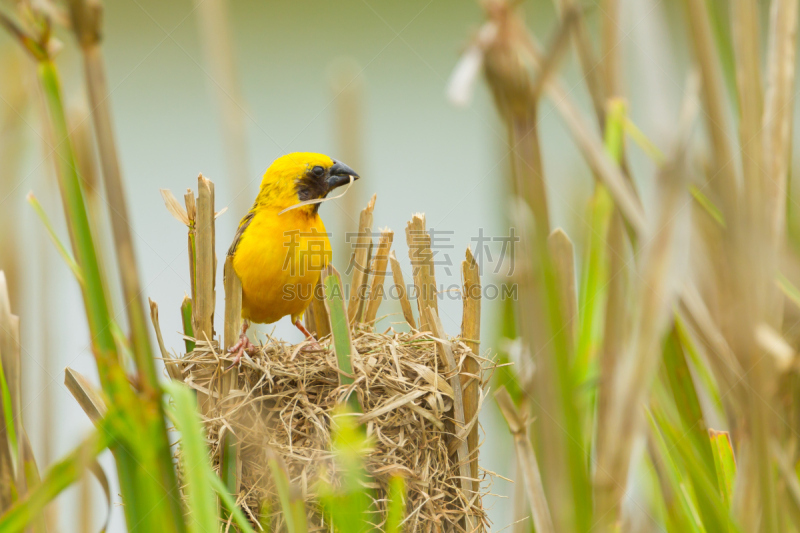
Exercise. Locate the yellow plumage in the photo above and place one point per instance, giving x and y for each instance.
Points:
(277, 254)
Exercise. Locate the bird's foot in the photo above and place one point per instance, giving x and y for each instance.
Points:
(242, 346)
(313, 345)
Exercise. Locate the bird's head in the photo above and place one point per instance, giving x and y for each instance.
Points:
(302, 176)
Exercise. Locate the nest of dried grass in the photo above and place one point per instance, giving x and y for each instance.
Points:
(283, 403)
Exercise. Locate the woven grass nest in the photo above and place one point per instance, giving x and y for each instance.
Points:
(285, 398)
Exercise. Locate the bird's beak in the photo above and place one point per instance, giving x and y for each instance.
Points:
(340, 175)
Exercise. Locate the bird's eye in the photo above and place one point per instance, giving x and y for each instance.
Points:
(318, 171)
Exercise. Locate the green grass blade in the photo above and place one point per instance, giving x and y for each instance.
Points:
(348, 505)
(681, 449)
(724, 462)
(51, 232)
(706, 203)
(397, 504)
(788, 289)
(95, 301)
(186, 320)
(703, 372)
(615, 129)
(293, 508)
(340, 331)
(647, 146)
(687, 403)
(686, 513)
(201, 503)
(58, 477)
(721, 30)
(8, 418)
(594, 278)
(230, 504)
(32, 479)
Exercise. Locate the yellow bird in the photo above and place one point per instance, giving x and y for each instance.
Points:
(281, 244)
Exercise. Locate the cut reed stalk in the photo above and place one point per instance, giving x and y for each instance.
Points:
(587, 59)
(471, 374)
(204, 301)
(610, 48)
(526, 459)
(12, 137)
(229, 461)
(421, 258)
(360, 263)
(778, 108)
(459, 417)
(722, 178)
(90, 400)
(555, 53)
(173, 367)
(316, 316)
(233, 314)
(562, 251)
(399, 282)
(380, 262)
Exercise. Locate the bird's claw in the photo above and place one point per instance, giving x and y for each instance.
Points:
(242, 346)
(312, 346)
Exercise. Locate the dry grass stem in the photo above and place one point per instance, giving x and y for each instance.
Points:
(399, 282)
(380, 262)
(363, 246)
(89, 398)
(421, 258)
(778, 107)
(203, 303)
(471, 377)
(173, 367)
(562, 253)
(722, 178)
(526, 459)
(316, 316)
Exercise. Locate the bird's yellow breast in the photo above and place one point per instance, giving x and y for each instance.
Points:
(279, 259)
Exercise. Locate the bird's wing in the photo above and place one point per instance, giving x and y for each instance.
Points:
(239, 232)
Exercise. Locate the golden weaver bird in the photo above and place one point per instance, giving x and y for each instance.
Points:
(281, 245)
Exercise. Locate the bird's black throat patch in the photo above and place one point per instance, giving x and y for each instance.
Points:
(311, 187)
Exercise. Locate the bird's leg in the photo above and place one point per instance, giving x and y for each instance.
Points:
(314, 345)
(242, 346)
